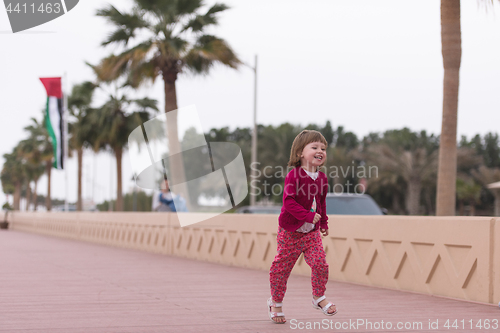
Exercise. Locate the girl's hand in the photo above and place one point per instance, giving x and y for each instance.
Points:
(316, 218)
(324, 232)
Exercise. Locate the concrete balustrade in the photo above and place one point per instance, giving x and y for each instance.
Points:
(457, 257)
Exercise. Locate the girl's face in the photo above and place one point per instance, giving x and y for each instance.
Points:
(313, 155)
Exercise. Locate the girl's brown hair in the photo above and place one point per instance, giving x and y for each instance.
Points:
(303, 139)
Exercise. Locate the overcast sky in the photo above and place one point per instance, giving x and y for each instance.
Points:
(369, 66)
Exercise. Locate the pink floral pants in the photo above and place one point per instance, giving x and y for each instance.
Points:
(290, 246)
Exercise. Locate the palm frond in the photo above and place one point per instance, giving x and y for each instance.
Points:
(172, 48)
(187, 7)
(81, 96)
(118, 36)
(126, 24)
(146, 103)
(139, 53)
(157, 7)
(200, 22)
(217, 8)
(141, 73)
(111, 68)
(208, 50)
(114, 66)
(111, 14)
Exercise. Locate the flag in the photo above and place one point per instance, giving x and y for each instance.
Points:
(54, 118)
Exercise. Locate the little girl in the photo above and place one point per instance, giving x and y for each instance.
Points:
(302, 217)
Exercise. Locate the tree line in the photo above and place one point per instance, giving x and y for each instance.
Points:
(404, 162)
(397, 167)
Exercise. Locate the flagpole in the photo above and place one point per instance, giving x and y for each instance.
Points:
(65, 161)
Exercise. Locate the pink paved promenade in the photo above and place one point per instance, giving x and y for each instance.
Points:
(61, 286)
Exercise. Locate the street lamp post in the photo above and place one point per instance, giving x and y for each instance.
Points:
(253, 170)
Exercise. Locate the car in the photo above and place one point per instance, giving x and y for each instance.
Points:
(336, 204)
(352, 204)
(259, 210)
(61, 208)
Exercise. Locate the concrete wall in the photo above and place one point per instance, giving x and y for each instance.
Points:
(450, 256)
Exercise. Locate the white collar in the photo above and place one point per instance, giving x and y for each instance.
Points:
(313, 175)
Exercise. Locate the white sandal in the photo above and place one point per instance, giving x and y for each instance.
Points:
(272, 304)
(315, 304)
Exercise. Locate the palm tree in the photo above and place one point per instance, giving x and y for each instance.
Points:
(13, 174)
(414, 166)
(340, 163)
(34, 153)
(486, 176)
(6, 175)
(468, 192)
(8, 186)
(281, 138)
(451, 42)
(33, 168)
(79, 106)
(452, 54)
(175, 40)
(408, 155)
(390, 185)
(38, 150)
(114, 124)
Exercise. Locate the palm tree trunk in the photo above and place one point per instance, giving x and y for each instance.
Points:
(35, 195)
(395, 203)
(17, 195)
(79, 152)
(496, 194)
(176, 165)
(169, 79)
(461, 208)
(119, 193)
(413, 196)
(48, 169)
(452, 53)
(472, 209)
(428, 200)
(28, 197)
